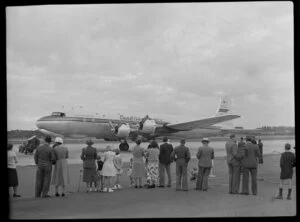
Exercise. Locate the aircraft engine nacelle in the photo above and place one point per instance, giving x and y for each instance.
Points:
(149, 126)
(123, 131)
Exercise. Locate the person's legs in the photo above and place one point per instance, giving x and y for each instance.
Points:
(15, 188)
(199, 178)
(161, 174)
(253, 172)
(56, 191)
(235, 179)
(140, 182)
(39, 180)
(290, 189)
(168, 168)
(279, 196)
(206, 172)
(178, 177)
(245, 189)
(184, 177)
(230, 172)
(47, 180)
(63, 190)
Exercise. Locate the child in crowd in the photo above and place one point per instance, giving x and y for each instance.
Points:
(118, 165)
(129, 174)
(286, 164)
(99, 173)
(194, 173)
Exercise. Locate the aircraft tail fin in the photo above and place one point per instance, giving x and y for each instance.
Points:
(224, 107)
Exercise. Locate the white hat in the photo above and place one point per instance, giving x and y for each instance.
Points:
(58, 140)
(205, 140)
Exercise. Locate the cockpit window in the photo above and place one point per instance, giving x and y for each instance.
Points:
(58, 114)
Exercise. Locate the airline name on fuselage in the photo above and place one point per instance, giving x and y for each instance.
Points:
(130, 118)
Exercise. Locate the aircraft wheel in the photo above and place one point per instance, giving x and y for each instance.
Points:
(124, 146)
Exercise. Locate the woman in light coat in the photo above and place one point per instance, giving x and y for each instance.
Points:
(60, 177)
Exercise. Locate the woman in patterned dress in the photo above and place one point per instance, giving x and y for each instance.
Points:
(152, 166)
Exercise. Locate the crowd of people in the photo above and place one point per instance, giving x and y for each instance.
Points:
(151, 164)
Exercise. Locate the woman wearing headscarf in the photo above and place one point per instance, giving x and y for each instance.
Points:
(89, 156)
(152, 166)
(138, 168)
(60, 177)
(12, 160)
(108, 170)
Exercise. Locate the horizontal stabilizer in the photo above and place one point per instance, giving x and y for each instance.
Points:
(201, 123)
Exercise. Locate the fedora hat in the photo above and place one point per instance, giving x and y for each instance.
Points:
(89, 142)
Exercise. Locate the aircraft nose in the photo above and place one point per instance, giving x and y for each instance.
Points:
(39, 123)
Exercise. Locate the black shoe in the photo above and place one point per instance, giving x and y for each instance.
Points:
(185, 190)
(230, 193)
(169, 185)
(161, 186)
(136, 186)
(57, 194)
(63, 194)
(16, 195)
(204, 189)
(140, 186)
(197, 189)
(254, 194)
(46, 196)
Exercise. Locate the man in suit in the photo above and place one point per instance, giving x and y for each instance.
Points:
(249, 162)
(205, 155)
(181, 155)
(44, 157)
(233, 165)
(165, 161)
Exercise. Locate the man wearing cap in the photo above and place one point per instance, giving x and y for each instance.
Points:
(181, 155)
(205, 155)
(165, 151)
(233, 164)
(249, 162)
(44, 158)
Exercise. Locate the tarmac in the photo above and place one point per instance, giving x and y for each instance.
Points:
(159, 202)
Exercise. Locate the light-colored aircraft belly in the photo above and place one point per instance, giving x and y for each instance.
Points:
(197, 133)
(74, 128)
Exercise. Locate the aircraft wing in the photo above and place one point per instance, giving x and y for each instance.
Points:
(201, 123)
(242, 131)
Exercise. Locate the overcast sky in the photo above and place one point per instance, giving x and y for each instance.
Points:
(171, 61)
